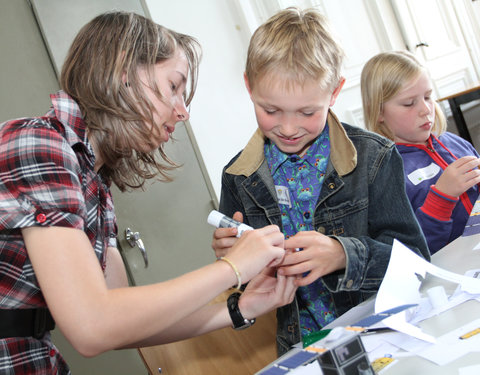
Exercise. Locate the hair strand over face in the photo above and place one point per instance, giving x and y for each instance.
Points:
(101, 74)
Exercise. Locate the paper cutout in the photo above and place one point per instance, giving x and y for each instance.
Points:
(401, 285)
(298, 359)
(373, 319)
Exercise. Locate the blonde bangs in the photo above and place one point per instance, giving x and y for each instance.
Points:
(298, 44)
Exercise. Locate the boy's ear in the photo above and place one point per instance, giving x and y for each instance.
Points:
(337, 91)
(247, 84)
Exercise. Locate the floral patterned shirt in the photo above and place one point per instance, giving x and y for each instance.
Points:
(298, 181)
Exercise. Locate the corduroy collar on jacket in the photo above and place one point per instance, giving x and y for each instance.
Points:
(343, 154)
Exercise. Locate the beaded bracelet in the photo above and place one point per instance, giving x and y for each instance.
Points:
(237, 273)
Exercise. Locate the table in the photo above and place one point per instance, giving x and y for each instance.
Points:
(458, 257)
(455, 101)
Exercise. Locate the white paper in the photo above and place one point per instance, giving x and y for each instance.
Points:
(450, 347)
(401, 286)
(469, 370)
(310, 369)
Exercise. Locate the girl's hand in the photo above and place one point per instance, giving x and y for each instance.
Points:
(257, 249)
(266, 292)
(459, 176)
(224, 238)
(320, 256)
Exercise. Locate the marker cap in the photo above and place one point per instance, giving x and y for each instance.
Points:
(214, 218)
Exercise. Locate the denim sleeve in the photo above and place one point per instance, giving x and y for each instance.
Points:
(230, 202)
(390, 217)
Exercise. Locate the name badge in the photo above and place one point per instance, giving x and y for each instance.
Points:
(423, 174)
(283, 195)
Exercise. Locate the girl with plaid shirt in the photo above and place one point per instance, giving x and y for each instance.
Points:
(124, 87)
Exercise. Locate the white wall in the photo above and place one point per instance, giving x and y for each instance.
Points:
(221, 113)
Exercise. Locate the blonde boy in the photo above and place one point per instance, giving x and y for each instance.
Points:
(335, 190)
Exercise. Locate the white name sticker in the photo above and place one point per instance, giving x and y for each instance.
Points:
(283, 195)
(424, 173)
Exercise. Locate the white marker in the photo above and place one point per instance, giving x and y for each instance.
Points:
(219, 220)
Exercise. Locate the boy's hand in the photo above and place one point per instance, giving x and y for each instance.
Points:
(224, 238)
(459, 176)
(320, 256)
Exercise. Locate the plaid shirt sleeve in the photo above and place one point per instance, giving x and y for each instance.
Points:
(39, 177)
(47, 178)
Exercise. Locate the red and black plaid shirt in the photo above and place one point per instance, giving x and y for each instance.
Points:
(46, 179)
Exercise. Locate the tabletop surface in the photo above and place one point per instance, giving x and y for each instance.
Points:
(458, 257)
(460, 93)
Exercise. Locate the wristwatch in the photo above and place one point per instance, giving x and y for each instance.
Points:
(239, 322)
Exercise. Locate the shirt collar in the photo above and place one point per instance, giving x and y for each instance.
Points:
(68, 112)
(343, 154)
(276, 158)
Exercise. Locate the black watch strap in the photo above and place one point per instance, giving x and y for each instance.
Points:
(239, 322)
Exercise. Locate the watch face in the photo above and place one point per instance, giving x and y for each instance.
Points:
(246, 324)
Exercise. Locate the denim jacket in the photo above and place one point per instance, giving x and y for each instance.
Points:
(362, 204)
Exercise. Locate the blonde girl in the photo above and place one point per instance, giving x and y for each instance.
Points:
(440, 167)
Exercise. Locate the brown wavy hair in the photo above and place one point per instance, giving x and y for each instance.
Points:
(102, 61)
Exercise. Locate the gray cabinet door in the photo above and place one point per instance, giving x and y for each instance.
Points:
(170, 218)
(60, 20)
(27, 75)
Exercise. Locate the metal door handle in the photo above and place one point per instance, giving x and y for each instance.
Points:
(133, 239)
